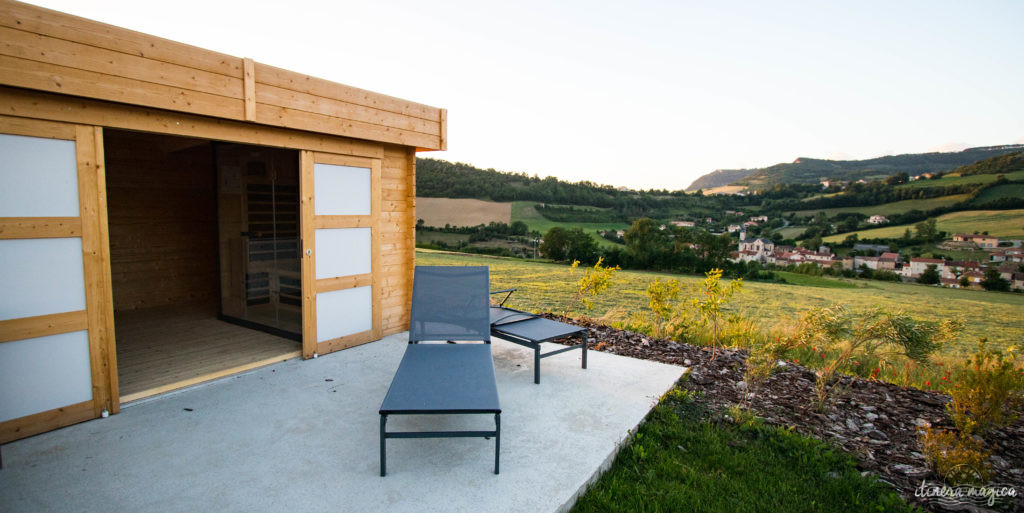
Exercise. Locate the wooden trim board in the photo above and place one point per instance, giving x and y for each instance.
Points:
(40, 227)
(208, 377)
(43, 325)
(42, 422)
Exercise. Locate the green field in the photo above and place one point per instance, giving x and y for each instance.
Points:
(792, 232)
(896, 207)
(959, 180)
(524, 211)
(1000, 223)
(549, 287)
(1010, 190)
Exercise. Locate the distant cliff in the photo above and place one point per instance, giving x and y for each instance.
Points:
(720, 177)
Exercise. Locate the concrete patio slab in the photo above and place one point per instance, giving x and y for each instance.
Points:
(303, 437)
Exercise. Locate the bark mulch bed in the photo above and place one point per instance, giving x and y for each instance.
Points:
(874, 421)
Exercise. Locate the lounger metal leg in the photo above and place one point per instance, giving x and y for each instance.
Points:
(383, 447)
(536, 364)
(585, 338)
(497, 439)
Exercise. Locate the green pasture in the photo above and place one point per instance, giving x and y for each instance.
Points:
(896, 207)
(1000, 223)
(524, 211)
(960, 180)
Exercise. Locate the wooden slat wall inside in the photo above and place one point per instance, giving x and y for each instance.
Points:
(162, 219)
(52, 51)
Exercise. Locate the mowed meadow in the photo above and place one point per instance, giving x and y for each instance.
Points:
(772, 306)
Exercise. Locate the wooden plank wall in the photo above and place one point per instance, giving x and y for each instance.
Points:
(398, 237)
(52, 51)
(163, 221)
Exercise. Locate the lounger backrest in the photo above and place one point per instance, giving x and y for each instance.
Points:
(450, 303)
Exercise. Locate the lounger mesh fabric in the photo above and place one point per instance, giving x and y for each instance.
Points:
(450, 303)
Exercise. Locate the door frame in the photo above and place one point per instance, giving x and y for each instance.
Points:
(309, 222)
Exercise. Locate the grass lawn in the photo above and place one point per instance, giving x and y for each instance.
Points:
(549, 287)
(682, 460)
(1000, 223)
(524, 211)
(896, 207)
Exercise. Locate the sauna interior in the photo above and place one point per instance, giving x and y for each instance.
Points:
(204, 256)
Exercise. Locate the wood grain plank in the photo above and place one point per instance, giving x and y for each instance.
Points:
(308, 243)
(343, 282)
(46, 49)
(279, 97)
(249, 88)
(37, 128)
(43, 325)
(40, 227)
(317, 86)
(61, 79)
(301, 120)
(16, 429)
(73, 28)
(41, 105)
(93, 264)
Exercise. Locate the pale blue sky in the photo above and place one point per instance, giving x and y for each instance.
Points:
(642, 94)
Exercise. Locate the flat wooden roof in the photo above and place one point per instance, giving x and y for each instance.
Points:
(56, 52)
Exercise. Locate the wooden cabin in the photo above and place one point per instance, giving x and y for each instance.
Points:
(170, 215)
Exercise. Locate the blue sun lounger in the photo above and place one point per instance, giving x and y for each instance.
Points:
(449, 304)
(531, 331)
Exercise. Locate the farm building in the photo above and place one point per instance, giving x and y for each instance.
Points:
(169, 215)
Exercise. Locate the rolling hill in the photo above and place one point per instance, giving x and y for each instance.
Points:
(810, 170)
(718, 178)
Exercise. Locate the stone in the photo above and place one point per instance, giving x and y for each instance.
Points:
(687, 362)
(851, 425)
(919, 422)
(871, 417)
(742, 385)
(875, 434)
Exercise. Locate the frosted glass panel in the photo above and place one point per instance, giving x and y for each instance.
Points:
(343, 312)
(341, 190)
(38, 177)
(342, 252)
(41, 276)
(40, 374)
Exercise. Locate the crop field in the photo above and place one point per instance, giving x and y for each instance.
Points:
(959, 180)
(896, 207)
(549, 287)
(524, 211)
(1000, 223)
(461, 211)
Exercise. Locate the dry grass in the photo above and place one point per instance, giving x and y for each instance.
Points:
(461, 211)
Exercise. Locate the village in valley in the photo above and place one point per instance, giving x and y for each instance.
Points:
(1006, 261)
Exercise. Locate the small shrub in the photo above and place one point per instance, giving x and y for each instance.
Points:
(712, 298)
(990, 391)
(662, 296)
(945, 449)
(594, 281)
(843, 339)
